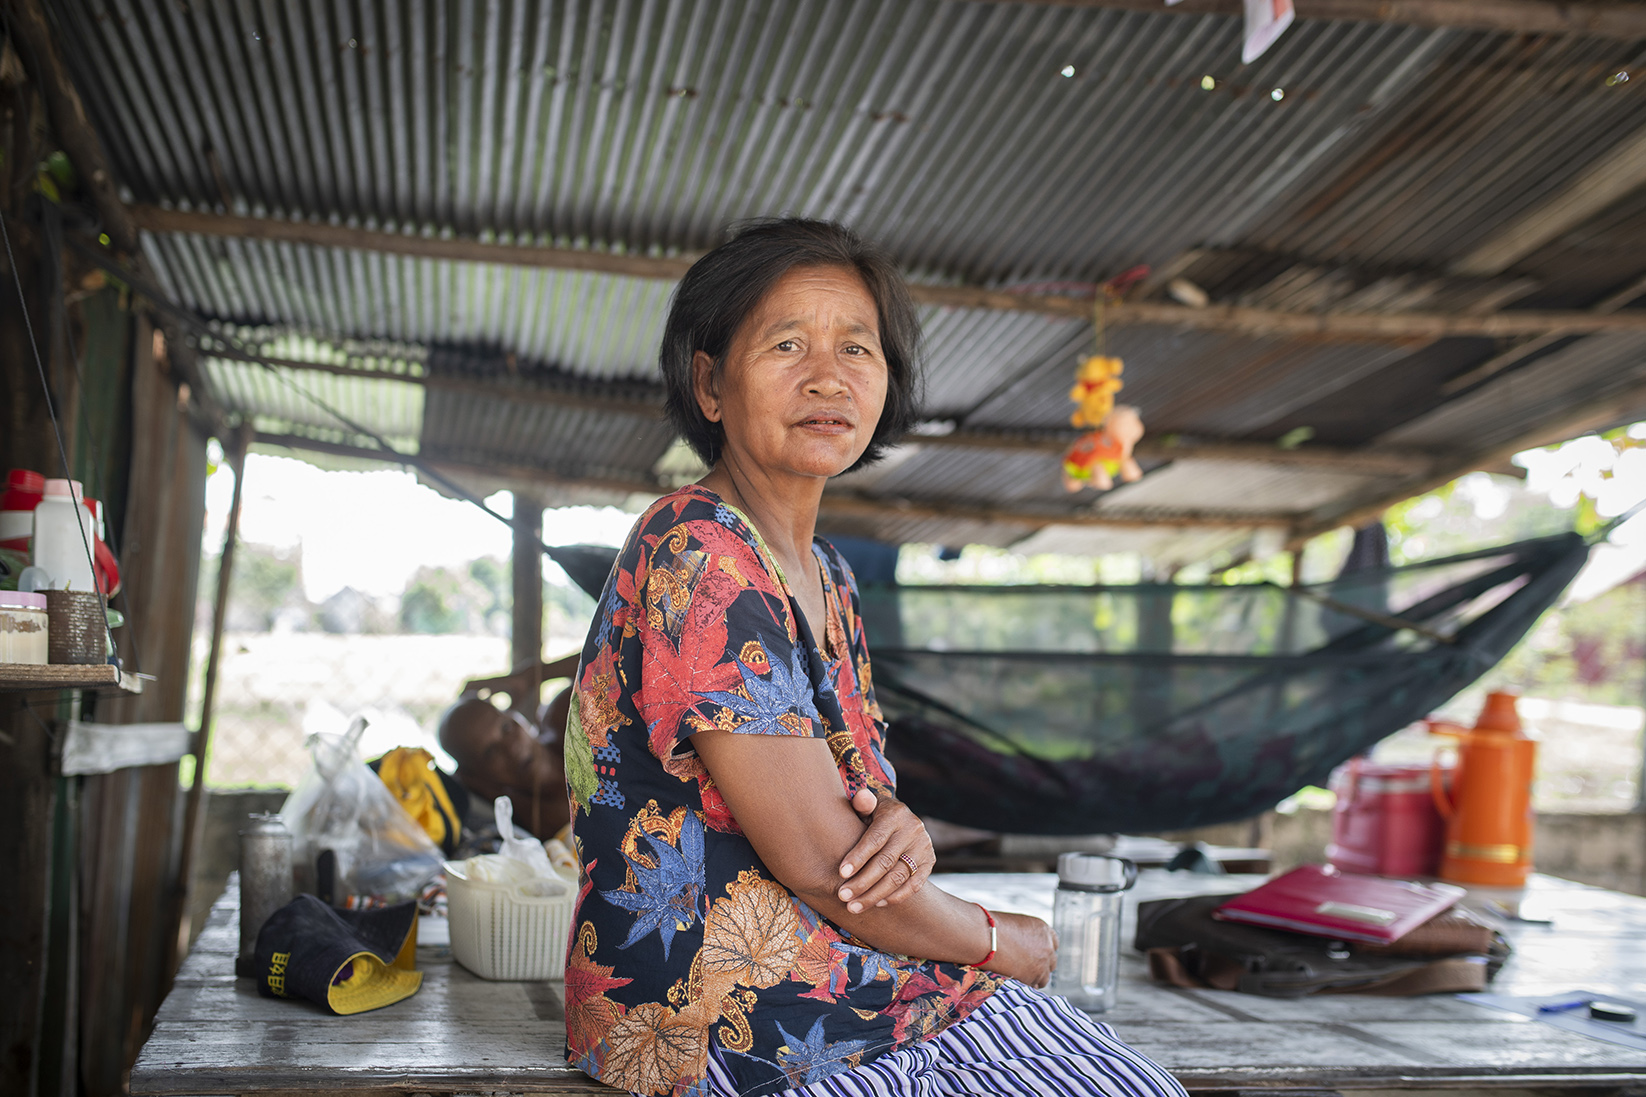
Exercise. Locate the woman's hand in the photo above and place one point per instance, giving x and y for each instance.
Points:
(1027, 950)
(875, 871)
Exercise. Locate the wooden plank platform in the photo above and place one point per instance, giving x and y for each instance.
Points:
(22, 677)
(462, 1034)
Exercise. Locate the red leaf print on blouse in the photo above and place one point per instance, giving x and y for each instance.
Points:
(589, 1013)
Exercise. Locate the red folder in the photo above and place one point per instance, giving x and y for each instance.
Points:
(1320, 900)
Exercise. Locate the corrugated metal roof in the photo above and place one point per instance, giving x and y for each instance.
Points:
(1589, 369)
(567, 442)
(284, 401)
(944, 130)
(602, 326)
(1498, 124)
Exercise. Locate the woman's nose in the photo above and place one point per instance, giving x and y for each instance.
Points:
(825, 378)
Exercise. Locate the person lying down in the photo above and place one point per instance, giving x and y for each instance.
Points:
(754, 914)
(514, 750)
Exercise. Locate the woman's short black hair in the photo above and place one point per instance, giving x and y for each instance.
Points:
(721, 289)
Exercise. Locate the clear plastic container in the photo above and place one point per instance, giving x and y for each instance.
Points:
(1086, 916)
(503, 930)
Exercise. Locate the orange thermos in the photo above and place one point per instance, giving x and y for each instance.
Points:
(1489, 811)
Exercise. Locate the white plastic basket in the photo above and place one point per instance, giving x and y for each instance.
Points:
(500, 932)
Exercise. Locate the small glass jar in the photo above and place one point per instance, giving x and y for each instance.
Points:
(23, 627)
(1086, 916)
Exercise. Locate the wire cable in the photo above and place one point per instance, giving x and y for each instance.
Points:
(56, 427)
(231, 352)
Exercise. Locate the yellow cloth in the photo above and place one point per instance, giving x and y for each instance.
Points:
(410, 774)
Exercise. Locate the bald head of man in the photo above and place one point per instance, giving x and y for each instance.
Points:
(499, 753)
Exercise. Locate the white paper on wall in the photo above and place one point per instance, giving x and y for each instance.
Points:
(1266, 21)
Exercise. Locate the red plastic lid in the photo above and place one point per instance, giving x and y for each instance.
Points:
(23, 490)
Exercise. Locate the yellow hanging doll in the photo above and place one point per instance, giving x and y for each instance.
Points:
(1105, 451)
(1096, 382)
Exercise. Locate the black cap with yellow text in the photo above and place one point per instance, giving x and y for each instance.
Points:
(348, 961)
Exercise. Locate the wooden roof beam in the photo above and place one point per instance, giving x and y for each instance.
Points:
(71, 125)
(1370, 326)
(523, 474)
(1500, 362)
(1370, 462)
(1626, 22)
(839, 505)
(69, 119)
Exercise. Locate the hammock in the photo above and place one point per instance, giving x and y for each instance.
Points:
(1087, 710)
(1047, 710)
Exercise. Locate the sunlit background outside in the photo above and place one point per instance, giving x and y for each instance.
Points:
(368, 592)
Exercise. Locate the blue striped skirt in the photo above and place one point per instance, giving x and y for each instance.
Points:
(1021, 1041)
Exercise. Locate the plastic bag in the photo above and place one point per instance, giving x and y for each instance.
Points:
(352, 843)
(527, 850)
(522, 862)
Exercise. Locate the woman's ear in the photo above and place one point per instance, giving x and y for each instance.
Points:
(703, 386)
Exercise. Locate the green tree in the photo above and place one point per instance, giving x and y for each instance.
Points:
(267, 579)
(431, 603)
(494, 577)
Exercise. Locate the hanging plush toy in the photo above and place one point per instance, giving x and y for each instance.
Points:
(1096, 458)
(1096, 382)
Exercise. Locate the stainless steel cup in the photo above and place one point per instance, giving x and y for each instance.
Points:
(265, 880)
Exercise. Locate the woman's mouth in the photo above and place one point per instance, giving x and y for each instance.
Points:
(826, 424)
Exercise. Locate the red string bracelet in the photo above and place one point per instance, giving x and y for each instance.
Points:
(994, 936)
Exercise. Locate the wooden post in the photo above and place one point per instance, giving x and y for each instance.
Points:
(192, 816)
(527, 646)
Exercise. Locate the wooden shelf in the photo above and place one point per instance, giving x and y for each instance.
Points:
(17, 677)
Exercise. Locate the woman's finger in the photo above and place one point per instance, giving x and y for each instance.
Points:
(881, 828)
(867, 863)
(910, 864)
(910, 888)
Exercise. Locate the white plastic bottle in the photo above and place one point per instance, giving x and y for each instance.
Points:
(63, 535)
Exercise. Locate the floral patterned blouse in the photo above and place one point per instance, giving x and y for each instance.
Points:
(682, 937)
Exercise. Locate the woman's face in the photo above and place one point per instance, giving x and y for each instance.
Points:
(804, 379)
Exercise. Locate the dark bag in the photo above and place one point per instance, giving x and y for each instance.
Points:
(1451, 953)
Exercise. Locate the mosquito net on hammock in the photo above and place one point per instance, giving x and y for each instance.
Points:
(1056, 710)
(1081, 710)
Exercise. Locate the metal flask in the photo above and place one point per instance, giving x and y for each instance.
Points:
(265, 880)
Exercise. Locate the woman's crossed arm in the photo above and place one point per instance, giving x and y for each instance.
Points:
(786, 795)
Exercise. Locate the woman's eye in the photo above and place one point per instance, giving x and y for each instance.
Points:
(787, 344)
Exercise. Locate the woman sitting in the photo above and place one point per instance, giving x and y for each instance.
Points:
(741, 928)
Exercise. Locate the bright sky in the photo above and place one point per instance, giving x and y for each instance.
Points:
(372, 530)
